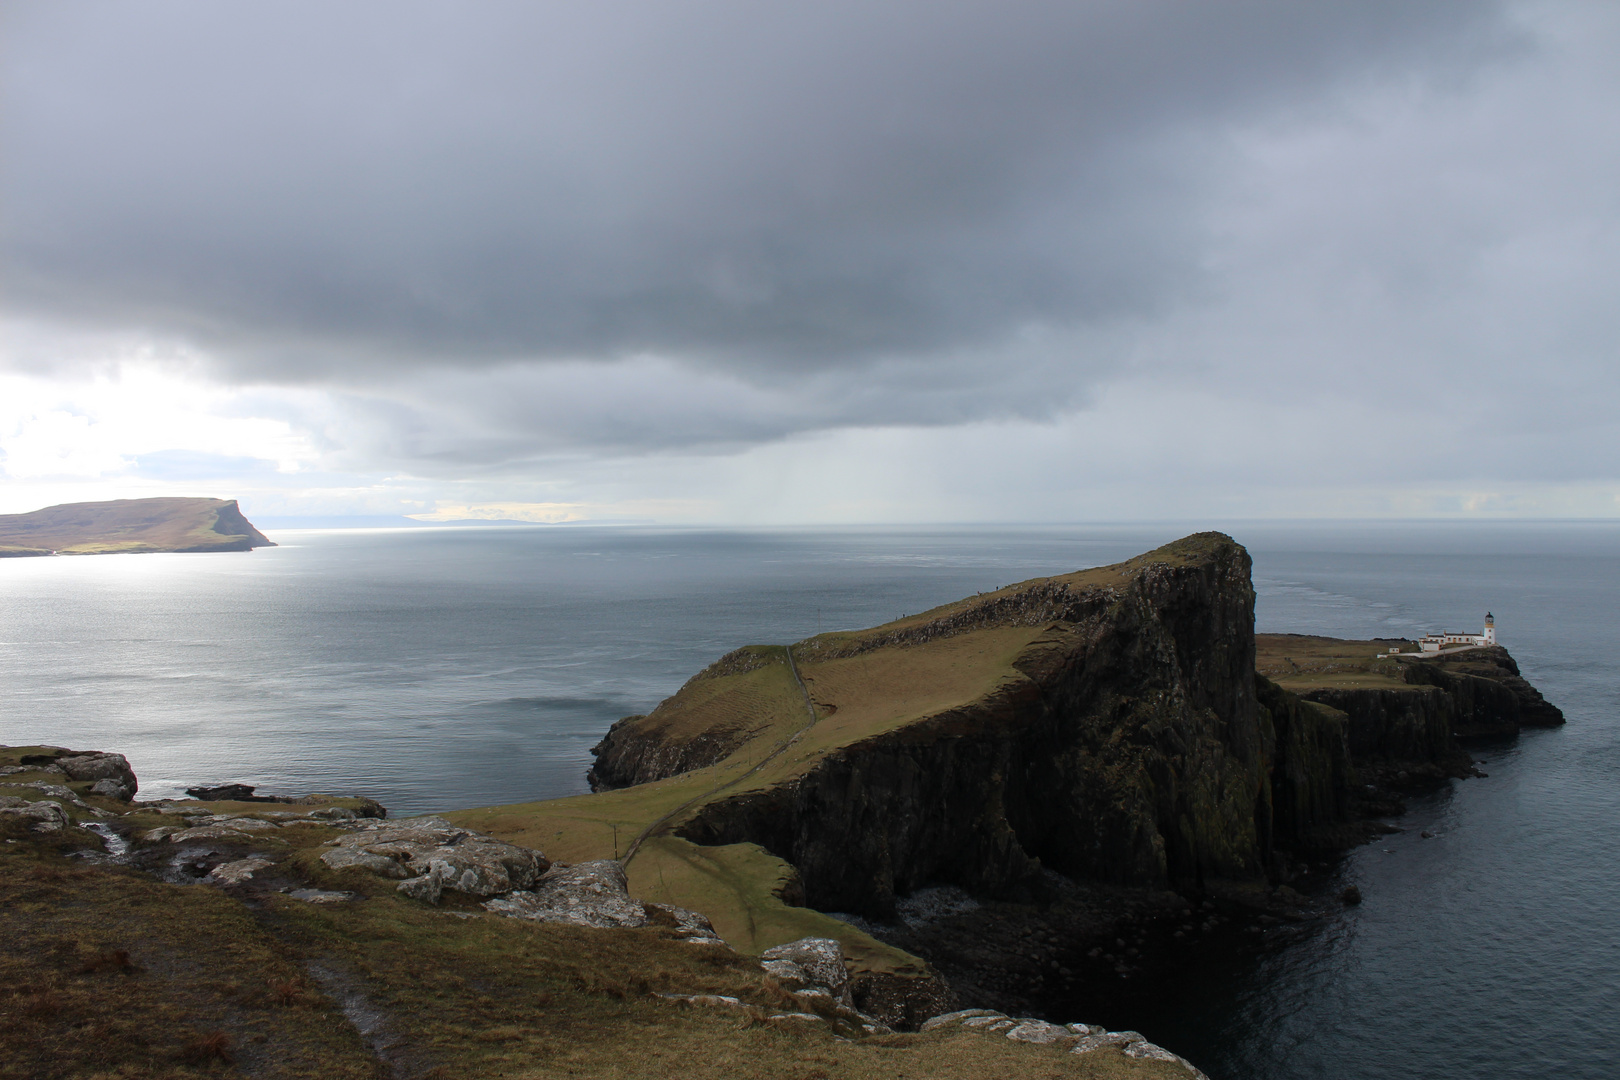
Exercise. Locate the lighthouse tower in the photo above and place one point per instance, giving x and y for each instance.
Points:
(1490, 629)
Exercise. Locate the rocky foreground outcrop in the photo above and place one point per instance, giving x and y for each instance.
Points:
(1081, 1039)
(109, 775)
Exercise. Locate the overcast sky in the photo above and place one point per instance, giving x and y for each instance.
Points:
(737, 262)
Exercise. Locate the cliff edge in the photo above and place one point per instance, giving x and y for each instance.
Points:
(1105, 724)
(1408, 714)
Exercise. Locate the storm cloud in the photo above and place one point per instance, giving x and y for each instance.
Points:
(315, 187)
(492, 235)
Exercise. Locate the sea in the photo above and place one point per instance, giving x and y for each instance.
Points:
(452, 667)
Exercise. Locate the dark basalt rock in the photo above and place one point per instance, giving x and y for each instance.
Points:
(232, 793)
(1409, 737)
(625, 756)
(1135, 751)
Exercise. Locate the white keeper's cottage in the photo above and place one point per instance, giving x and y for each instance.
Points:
(1436, 642)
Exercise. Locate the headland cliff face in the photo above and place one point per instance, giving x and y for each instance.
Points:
(1127, 740)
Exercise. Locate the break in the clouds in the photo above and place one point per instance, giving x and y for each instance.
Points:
(508, 249)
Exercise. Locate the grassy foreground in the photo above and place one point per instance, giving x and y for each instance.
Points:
(106, 972)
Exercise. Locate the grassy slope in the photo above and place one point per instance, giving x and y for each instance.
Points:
(105, 972)
(863, 683)
(1300, 662)
(128, 526)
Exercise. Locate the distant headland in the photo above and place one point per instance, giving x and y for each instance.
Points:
(130, 526)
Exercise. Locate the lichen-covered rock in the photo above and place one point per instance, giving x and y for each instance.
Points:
(1038, 1031)
(12, 770)
(56, 791)
(452, 857)
(363, 807)
(99, 767)
(947, 1019)
(1133, 1045)
(812, 962)
(47, 816)
(592, 893)
(426, 888)
(990, 1023)
(112, 789)
(234, 873)
(381, 865)
(691, 926)
(220, 832)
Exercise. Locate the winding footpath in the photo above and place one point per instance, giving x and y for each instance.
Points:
(810, 709)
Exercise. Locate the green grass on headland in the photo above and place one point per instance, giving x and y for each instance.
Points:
(1300, 662)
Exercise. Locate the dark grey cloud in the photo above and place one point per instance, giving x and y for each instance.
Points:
(336, 190)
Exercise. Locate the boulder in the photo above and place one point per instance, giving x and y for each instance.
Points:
(457, 859)
(816, 962)
(48, 816)
(1038, 1031)
(691, 926)
(381, 865)
(243, 824)
(218, 832)
(426, 888)
(1118, 1039)
(585, 894)
(221, 792)
(234, 873)
(111, 788)
(100, 767)
(11, 770)
(366, 808)
(947, 1019)
(1133, 1045)
(56, 791)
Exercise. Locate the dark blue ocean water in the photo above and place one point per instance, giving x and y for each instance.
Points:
(444, 668)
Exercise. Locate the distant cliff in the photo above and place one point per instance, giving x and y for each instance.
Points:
(130, 526)
(1407, 715)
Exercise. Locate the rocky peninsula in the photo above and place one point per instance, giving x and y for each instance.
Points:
(130, 526)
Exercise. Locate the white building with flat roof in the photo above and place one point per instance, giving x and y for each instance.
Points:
(1436, 642)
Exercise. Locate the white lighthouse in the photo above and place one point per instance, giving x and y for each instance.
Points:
(1433, 643)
